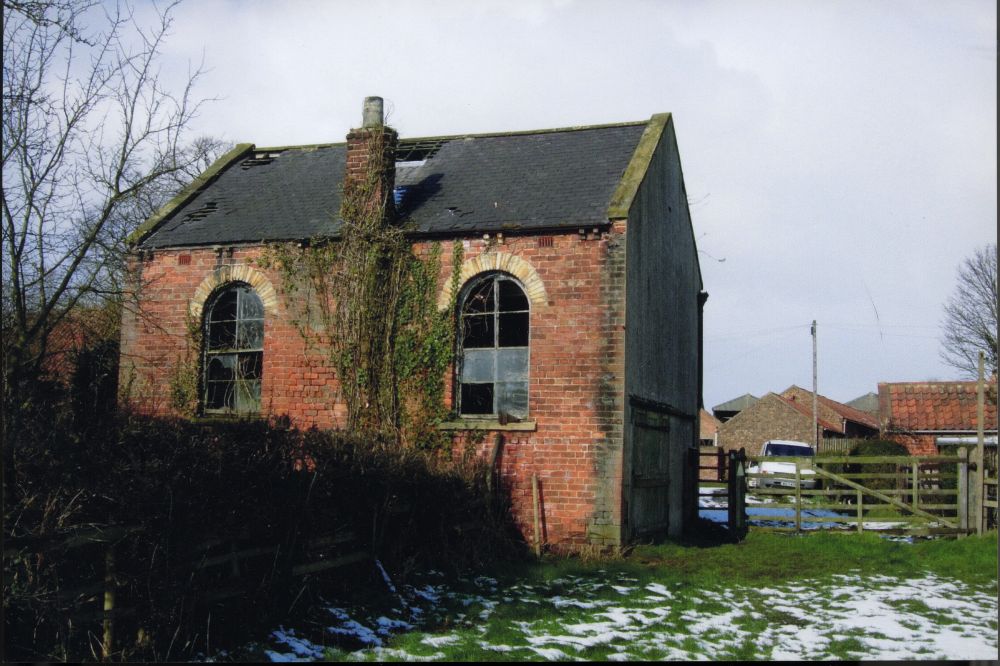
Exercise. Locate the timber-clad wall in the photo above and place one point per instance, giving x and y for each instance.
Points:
(663, 283)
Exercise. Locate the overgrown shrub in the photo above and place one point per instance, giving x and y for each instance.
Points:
(173, 485)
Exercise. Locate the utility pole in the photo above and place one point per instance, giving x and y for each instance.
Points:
(815, 404)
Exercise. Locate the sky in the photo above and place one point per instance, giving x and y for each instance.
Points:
(840, 157)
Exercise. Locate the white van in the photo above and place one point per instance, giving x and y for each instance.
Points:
(783, 448)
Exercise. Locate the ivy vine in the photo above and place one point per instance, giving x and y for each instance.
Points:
(370, 303)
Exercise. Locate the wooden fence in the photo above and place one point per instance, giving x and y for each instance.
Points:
(711, 463)
(215, 570)
(837, 445)
(915, 495)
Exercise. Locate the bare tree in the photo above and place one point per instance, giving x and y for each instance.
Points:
(970, 315)
(93, 142)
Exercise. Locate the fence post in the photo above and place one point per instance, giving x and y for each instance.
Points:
(861, 513)
(916, 485)
(798, 498)
(737, 494)
(109, 601)
(963, 490)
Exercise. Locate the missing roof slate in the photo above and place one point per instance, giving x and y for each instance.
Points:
(259, 159)
(203, 212)
(418, 150)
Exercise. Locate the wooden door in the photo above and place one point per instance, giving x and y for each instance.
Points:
(649, 508)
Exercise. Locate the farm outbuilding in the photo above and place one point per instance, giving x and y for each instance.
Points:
(578, 310)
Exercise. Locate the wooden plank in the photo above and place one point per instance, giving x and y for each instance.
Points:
(221, 593)
(883, 497)
(234, 556)
(331, 540)
(67, 540)
(902, 460)
(89, 616)
(343, 560)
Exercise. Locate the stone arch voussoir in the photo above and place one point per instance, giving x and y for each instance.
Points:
(234, 273)
(499, 261)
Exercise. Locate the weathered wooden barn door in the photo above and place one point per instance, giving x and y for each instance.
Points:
(649, 510)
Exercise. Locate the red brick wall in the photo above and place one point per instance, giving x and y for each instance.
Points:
(298, 381)
(917, 445)
(576, 370)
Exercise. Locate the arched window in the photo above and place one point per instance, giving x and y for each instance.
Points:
(234, 351)
(492, 367)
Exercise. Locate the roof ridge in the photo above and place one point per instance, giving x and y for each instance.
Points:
(802, 409)
(472, 135)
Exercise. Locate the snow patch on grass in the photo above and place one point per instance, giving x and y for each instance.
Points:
(842, 617)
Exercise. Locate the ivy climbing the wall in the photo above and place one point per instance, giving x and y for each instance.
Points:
(370, 302)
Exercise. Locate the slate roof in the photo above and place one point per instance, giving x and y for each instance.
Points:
(866, 403)
(736, 404)
(935, 406)
(547, 179)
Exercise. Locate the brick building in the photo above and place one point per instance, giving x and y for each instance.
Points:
(789, 416)
(924, 416)
(580, 274)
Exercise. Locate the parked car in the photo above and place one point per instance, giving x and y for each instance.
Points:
(783, 472)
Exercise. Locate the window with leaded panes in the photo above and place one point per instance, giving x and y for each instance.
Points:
(234, 351)
(493, 337)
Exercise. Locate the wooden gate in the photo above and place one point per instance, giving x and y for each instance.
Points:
(649, 509)
(911, 495)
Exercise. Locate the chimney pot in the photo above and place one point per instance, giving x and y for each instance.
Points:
(372, 116)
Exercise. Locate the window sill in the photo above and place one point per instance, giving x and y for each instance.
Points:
(487, 424)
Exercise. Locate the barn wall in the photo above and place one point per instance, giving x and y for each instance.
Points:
(663, 345)
(576, 370)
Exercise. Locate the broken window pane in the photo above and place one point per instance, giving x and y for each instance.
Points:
(221, 368)
(512, 297)
(513, 330)
(224, 308)
(477, 398)
(222, 335)
(479, 331)
(480, 298)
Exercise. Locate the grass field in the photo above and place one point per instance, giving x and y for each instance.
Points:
(771, 597)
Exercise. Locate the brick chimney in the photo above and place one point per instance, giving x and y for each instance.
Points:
(371, 158)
